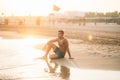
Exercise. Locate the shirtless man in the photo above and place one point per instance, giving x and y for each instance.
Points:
(59, 51)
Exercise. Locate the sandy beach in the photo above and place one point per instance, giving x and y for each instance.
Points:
(93, 47)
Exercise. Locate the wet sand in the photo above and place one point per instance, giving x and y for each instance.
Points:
(18, 62)
(86, 42)
(99, 52)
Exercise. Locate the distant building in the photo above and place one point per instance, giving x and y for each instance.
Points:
(72, 14)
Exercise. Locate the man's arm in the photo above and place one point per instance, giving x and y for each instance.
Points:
(68, 50)
(49, 42)
(53, 40)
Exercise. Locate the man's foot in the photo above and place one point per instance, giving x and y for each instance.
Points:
(43, 57)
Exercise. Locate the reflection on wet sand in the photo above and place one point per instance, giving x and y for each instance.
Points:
(17, 63)
(63, 72)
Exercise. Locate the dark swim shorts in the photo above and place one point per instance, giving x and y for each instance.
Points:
(59, 53)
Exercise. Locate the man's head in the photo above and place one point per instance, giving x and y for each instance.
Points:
(60, 33)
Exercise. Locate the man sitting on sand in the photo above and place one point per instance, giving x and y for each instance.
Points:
(59, 51)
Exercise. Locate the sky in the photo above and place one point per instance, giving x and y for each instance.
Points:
(44, 7)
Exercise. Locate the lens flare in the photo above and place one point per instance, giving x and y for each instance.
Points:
(90, 37)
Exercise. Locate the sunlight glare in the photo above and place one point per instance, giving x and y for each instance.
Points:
(29, 54)
(44, 7)
(31, 41)
(27, 7)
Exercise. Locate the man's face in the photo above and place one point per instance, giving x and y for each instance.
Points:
(60, 34)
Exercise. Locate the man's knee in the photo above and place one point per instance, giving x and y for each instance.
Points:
(50, 44)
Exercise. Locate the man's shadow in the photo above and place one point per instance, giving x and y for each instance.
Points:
(64, 72)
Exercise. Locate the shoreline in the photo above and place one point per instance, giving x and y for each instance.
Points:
(87, 55)
(92, 36)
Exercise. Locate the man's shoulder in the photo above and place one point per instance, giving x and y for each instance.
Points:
(65, 39)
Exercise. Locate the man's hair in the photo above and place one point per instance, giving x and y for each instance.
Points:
(61, 31)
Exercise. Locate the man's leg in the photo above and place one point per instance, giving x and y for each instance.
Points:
(53, 56)
(48, 48)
